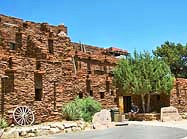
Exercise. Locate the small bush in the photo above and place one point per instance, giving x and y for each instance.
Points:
(81, 109)
(71, 110)
(3, 123)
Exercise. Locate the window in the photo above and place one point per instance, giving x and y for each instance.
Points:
(55, 84)
(10, 63)
(107, 86)
(19, 39)
(89, 68)
(88, 85)
(25, 25)
(112, 92)
(102, 95)
(80, 95)
(38, 86)
(12, 46)
(115, 100)
(10, 82)
(91, 93)
(50, 46)
(38, 65)
(158, 98)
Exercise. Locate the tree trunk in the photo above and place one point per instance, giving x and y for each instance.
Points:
(148, 102)
(143, 102)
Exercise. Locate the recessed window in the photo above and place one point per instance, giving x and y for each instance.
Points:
(12, 46)
(107, 86)
(115, 99)
(25, 25)
(38, 86)
(158, 98)
(10, 82)
(89, 68)
(0, 19)
(38, 65)
(50, 46)
(102, 95)
(10, 63)
(80, 95)
(112, 92)
(19, 39)
(91, 93)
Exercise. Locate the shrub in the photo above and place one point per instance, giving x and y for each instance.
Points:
(71, 110)
(3, 123)
(81, 109)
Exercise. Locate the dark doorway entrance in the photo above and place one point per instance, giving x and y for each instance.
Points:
(127, 103)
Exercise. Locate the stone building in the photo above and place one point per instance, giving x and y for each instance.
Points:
(41, 68)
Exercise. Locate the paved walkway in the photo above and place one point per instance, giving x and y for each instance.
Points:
(177, 124)
(135, 129)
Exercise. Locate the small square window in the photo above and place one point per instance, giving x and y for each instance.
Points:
(102, 95)
(91, 93)
(12, 46)
(80, 95)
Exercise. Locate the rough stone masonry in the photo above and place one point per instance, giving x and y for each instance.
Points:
(41, 68)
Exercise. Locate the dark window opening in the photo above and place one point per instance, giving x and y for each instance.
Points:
(50, 34)
(158, 97)
(50, 46)
(102, 95)
(38, 94)
(89, 68)
(112, 93)
(12, 46)
(179, 101)
(80, 95)
(107, 86)
(38, 86)
(55, 95)
(10, 63)
(25, 25)
(88, 85)
(38, 65)
(19, 39)
(0, 19)
(9, 82)
(115, 99)
(91, 93)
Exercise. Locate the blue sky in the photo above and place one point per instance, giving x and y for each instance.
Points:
(127, 24)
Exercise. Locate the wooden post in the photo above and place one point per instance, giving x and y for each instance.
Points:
(121, 105)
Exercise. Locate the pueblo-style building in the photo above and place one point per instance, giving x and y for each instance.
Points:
(42, 68)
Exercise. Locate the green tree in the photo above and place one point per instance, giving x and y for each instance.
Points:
(175, 55)
(144, 75)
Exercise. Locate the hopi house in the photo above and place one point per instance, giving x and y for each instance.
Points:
(42, 68)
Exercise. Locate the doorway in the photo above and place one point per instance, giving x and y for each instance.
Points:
(127, 103)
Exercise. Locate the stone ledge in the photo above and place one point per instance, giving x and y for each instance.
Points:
(45, 129)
